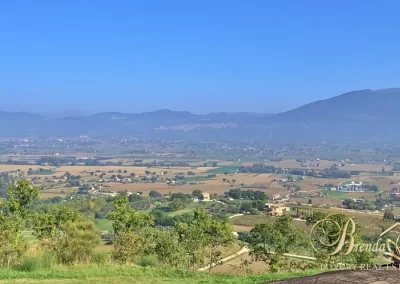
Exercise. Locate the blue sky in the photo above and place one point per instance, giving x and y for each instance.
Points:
(202, 56)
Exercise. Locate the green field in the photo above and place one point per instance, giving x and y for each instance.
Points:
(140, 275)
(44, 173)
(196, 178)
(340, 195)
(222, 170)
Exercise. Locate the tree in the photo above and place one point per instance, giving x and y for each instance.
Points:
(388, 215)
(47, 226)
(177, 204)
(197, 193)
(161, 218)
(134, 197)
(155, 194)
(125, 219)
(268, 242)
(140, 204)
(233, 181)
(218, 234)
(224, 179)
(202, 232)
(374, 188)
(246, 207)
(258, 204)
(13, 219)
(20, 198)
(164, 244)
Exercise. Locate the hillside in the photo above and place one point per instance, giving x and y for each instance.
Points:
(358, 105)
(359, 115)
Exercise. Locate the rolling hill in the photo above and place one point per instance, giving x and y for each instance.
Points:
(357, 115)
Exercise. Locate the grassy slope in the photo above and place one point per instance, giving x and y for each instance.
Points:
(340, 195)
(139, 275)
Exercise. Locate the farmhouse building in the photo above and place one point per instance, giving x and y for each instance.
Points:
(276, 209)
(206, 196)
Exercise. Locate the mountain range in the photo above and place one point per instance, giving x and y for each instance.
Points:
(357, 115)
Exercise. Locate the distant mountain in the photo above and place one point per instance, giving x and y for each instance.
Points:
(121, 124)
(65, 113)
(363, 104)
(358, 115)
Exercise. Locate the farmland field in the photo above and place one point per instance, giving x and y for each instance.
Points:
(222, 170)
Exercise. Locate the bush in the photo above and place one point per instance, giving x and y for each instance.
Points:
(148, 260)
(100, 258)
(128, 247)
(44, 261)
(75, 243)
(12, 249)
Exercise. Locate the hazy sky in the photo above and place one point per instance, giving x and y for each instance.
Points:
(202, 56)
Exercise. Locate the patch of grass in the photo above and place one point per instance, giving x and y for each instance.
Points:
(29, 263)
(180, 212)
(196, 178)
(148, 261)
(141, 275)
(29, 237)
(380, 261)
(104, 225)
(222, 170)
(335, 194)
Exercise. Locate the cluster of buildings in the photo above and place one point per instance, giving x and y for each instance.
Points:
(351, 186)
(307, 194)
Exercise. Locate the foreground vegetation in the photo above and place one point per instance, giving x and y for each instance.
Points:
(65, 241)
(125, 274)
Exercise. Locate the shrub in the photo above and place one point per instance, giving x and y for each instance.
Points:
(44, 261)
(75, 242)
(128, 247)
(12, 248)
(100, 258)
(148, 260)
